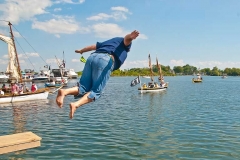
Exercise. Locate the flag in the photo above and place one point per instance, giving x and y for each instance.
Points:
(46, 66)
(82, 59)
(135, 81)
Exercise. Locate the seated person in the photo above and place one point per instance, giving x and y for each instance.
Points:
(1, 93)
(20, 90)
(33, 87)
(14, 88)
(4, 88)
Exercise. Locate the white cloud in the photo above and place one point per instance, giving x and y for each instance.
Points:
(118, 14)
(220, 65)
(3, 61)
(51, 60)
(27, 55)
(174, 62)
(134, 64)
(75, 60)
(57, 9)
(70, 1)
(100, 16)
(21, 10)
(107, 30)
(60, 25)
(123, 9)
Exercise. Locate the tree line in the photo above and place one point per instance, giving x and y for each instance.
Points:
(177, 70)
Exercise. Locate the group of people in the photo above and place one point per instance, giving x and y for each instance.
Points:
(17, 88)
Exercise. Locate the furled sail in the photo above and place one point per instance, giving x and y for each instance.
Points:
(12, 67)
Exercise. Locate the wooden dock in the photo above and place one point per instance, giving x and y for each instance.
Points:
(19, 141)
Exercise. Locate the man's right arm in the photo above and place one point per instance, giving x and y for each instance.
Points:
(86, 49)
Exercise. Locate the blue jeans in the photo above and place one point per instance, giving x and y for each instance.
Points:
(96, 73)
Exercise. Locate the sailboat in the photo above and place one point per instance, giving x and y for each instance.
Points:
(160, 78)
(14, 72)
(151, 86)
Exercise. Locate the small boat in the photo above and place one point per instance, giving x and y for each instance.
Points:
(43, 76)
(152, 86)
(198, 79)
(146, 77)
(3, 78)
(72, 74)
(224, 76)
(14, 71)
(53, 84)
(195, 80)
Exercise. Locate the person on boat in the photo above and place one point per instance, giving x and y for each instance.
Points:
(14, 88)
(1, 92)
(34, 87)
(199, 77)
(107, 57)
(20, 90)
(4, 88)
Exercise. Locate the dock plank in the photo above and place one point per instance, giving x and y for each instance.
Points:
(19, 141)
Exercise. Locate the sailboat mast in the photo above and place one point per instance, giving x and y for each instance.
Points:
(150, 66)
(18, 67)
(159, 69)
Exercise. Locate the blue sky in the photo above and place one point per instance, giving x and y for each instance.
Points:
(202, 33)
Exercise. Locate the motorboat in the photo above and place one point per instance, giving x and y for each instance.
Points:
(72, 74)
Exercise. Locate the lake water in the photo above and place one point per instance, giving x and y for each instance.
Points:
(187, 121)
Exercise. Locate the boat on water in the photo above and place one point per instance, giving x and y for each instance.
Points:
(43, 76)
(14, 70)
(198, 79)
(224, 76)
(59, 75)
(72, 74)
(151, 86)
(3, 77)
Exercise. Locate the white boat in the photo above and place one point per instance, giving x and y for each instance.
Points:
(151, 86)
(15, 72)
(72, 74)
(24, 97)
(3, 78)
(43, 76)
(58, 77)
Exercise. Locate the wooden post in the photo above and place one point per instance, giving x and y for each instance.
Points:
(19, 141)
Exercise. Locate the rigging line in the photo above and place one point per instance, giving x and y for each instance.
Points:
(30, 45)
(25, 54)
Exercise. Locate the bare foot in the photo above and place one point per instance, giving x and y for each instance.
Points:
(60, 97)
(72, 110)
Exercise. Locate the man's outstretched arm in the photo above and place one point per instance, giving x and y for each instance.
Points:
(129, 37)
(86, 49)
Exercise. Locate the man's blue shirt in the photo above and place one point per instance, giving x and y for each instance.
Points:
(115, 47)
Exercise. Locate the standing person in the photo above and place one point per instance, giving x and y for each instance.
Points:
(107, 57)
